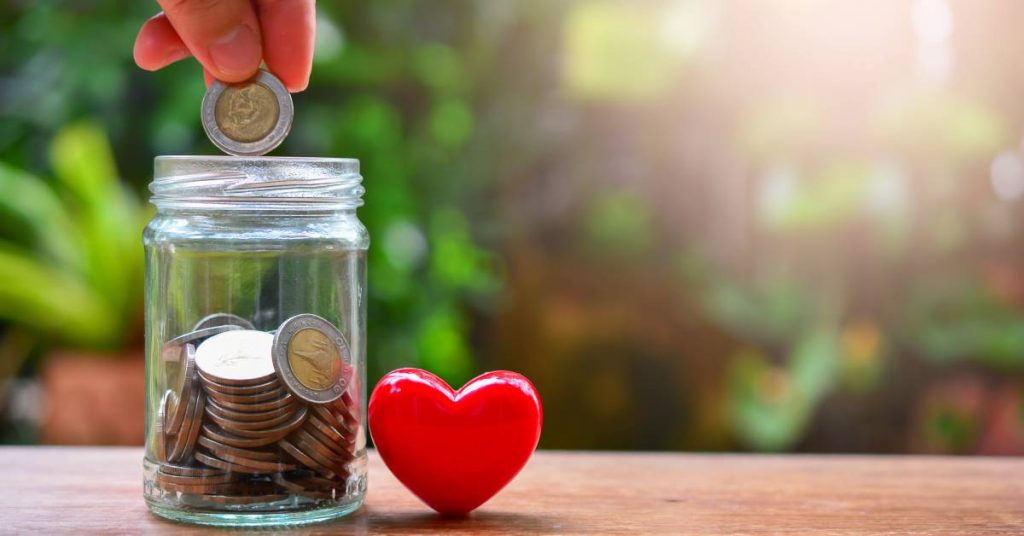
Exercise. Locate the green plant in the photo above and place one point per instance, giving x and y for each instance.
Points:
(70, 254)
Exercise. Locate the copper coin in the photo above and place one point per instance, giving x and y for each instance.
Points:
(183, 390)
(337, 427)
(223, 478)
(198, 488)
(260, 407)
(232, 440)
(185, 470)
(184, 434)
(231, 467)
(280, 430)
(308, 461)
(258, 455)
(158, 427)
(253, 465)
(222, 319)
(244, 416)
(197, 420)
(317, 452)
(341, 449)
(327, 451)
(248, 399)
(234, 426)
(240, 389)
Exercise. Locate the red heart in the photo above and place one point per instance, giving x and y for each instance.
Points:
(454, 450)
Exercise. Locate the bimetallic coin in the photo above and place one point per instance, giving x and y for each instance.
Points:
(250, 118)
(310, 357)
(223, 319)
(241, 357)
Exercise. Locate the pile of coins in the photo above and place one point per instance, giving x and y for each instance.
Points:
(257, 417)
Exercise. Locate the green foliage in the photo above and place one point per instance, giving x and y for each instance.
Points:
(73, 274)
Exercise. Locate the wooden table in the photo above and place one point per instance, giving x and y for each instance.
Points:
(99, 490)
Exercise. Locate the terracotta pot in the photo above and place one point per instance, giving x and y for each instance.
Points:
(94, 399)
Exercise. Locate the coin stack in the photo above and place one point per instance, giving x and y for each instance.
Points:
(257, 417)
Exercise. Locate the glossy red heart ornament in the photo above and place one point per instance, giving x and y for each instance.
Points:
(454, 449)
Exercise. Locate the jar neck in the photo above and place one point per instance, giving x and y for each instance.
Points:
(257, 185)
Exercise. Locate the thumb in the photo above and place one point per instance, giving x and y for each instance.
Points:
(224, 35)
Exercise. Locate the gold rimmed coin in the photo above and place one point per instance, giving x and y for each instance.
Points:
(249, 118)
(311, 356)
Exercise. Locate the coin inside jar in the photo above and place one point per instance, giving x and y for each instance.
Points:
(237, 357)
(311, 357)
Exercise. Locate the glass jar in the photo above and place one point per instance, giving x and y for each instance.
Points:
(255, 340)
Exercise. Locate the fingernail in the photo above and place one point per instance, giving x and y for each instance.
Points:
(237, 54)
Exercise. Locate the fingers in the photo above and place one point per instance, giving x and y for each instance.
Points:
(158, 45)
(224, 35)
(288, 28)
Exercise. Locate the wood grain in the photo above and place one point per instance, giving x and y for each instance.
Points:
(99, 490)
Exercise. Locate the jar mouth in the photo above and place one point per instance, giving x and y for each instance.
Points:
(256, 183)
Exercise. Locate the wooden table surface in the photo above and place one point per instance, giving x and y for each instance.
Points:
(99, 490)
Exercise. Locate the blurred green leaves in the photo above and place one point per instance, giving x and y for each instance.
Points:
(70, 256)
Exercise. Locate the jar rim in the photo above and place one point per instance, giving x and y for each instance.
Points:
(220, 182)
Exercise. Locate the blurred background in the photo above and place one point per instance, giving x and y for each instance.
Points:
(770, 225)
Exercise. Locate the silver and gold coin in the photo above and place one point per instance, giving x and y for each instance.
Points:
(249, 118)
(252, 416)
(311, 357)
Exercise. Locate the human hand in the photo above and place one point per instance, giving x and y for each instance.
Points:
(231, 37)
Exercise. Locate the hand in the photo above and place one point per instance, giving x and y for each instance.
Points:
(231, 37)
